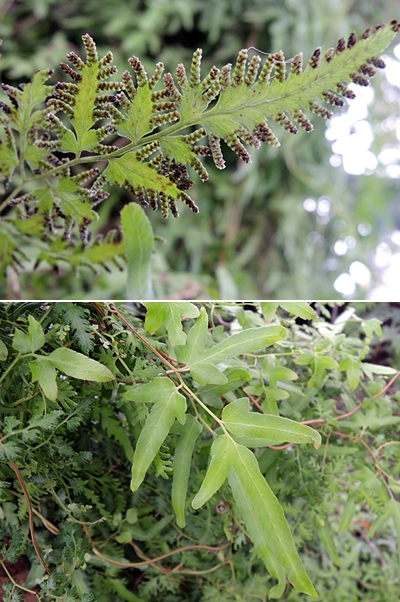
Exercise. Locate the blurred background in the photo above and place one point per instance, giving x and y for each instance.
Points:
(317, 218)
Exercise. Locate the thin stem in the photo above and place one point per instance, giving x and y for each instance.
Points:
(386, 387)
(11, 366)
(25, 589)
(153, 561)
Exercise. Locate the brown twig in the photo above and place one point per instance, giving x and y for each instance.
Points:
(341, 416)
(30, 512)
(25, 589)
(386, 387)
(154, 561)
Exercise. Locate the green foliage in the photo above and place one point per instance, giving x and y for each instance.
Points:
(155, 132)
(146, 482)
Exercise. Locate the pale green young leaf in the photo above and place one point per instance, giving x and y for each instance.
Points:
(170, 314)
(137, 119)
(352, 366)
(221, 459)
(206, 373)
(99, 254)
(246, 341)
(169, 405)
(321, 365)
(43, 372)
(304, 358)
(193, 103)
(81, 109)
(326, 363)
(371, 369)
(268, 309)
(33, 94)
(31, 342)
(275, 373)
(157, 389)
(78, 365)
(257, 430)
(67, 195)
(211, 394)
(300, 309)
(139, 242)
(188, 434)
(243, 105)
(264, 518)
(195, 340)
(371, 327)
(129, 169)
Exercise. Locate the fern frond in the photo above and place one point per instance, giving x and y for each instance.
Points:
(246, 103)
(77, 317)
(21, 115)
(169, 131)
(233, 104)
(163, 462)
(84, 103)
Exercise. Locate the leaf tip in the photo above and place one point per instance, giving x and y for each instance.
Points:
(317, 440)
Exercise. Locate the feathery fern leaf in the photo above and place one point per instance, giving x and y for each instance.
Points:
(170, 129)
(241, 103)
(77, 317)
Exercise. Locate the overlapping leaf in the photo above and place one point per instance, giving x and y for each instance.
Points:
(257, 430)
(171, 315)
(264, 518)
(188, 434)
(260, 509)
(202, 361)
(169, 405)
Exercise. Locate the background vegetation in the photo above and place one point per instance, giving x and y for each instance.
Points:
(67, 445)
(253, 238)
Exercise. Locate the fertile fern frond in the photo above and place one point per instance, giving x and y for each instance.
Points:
(233, 104)
(85, 103)
(163, 126)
